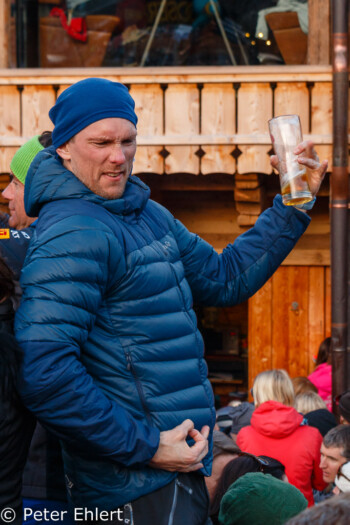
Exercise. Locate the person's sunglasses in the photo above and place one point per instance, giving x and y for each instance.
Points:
(262, 462)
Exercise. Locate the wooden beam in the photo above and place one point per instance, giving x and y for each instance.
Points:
(5, 6)
(196, 139)
(319, 32)
(169, 75)
(248, 195)
(246, 221)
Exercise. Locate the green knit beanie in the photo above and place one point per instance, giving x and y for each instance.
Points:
(260, 499)
(23, 158)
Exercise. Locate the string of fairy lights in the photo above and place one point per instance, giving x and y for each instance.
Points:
(260, 36)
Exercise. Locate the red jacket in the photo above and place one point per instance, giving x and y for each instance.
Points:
(275, 431)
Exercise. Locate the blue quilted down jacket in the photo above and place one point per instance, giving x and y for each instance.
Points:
(112, 353)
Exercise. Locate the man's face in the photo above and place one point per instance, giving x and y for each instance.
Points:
(331, 460)
(14, 193)
(101, 156)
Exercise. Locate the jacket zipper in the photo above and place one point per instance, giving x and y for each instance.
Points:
(173, 506)
(131, 368)
(130, 521)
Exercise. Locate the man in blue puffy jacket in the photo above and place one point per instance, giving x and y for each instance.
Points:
(112, 357)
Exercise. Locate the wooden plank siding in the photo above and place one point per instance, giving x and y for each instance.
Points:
(260, 332)
(5, 33)
(151, 123)
(4, 181)
(218, 116)
(288, 319)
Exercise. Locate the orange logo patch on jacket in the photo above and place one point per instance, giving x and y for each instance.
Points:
(4, 233)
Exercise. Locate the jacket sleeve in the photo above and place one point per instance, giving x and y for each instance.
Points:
(14, 248)
(244, 266)
(64, 278)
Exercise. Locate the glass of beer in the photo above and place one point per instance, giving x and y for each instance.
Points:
(285, 133)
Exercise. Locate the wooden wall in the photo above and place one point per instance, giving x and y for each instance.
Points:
(288, 319)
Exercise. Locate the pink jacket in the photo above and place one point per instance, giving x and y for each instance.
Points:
(321, 377)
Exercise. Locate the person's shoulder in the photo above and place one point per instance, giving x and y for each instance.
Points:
(245, 433)
(310, 435)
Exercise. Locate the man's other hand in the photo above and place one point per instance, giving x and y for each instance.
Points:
(174, 454)
(308, 157)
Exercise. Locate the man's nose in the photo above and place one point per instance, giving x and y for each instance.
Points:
(117, 154)
(8, 192)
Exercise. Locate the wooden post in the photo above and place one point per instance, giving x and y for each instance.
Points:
(4, 32)
(318, 46)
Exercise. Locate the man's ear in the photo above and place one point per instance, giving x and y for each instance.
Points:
(63, 151)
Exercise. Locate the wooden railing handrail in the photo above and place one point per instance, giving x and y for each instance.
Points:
(169, 75)
(192, 140)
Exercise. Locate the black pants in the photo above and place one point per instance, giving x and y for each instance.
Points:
(184, 501)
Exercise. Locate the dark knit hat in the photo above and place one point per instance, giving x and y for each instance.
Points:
(344, 405)
(260, 499)
(322, 419)
(86, 102)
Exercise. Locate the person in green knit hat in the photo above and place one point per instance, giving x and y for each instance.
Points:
(260, 499)
(19, 167)
(16, 228)
(43, 480)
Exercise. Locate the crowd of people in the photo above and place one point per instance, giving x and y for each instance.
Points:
(279, 431)
(106, 412)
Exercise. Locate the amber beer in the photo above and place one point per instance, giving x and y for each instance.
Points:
(295, 189)
(285, 132)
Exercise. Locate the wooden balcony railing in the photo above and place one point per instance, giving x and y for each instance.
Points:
(191, 120)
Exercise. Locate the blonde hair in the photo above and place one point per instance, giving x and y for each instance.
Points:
(308, 401)
(273, 385)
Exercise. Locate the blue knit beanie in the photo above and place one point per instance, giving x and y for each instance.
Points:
(86, 102)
